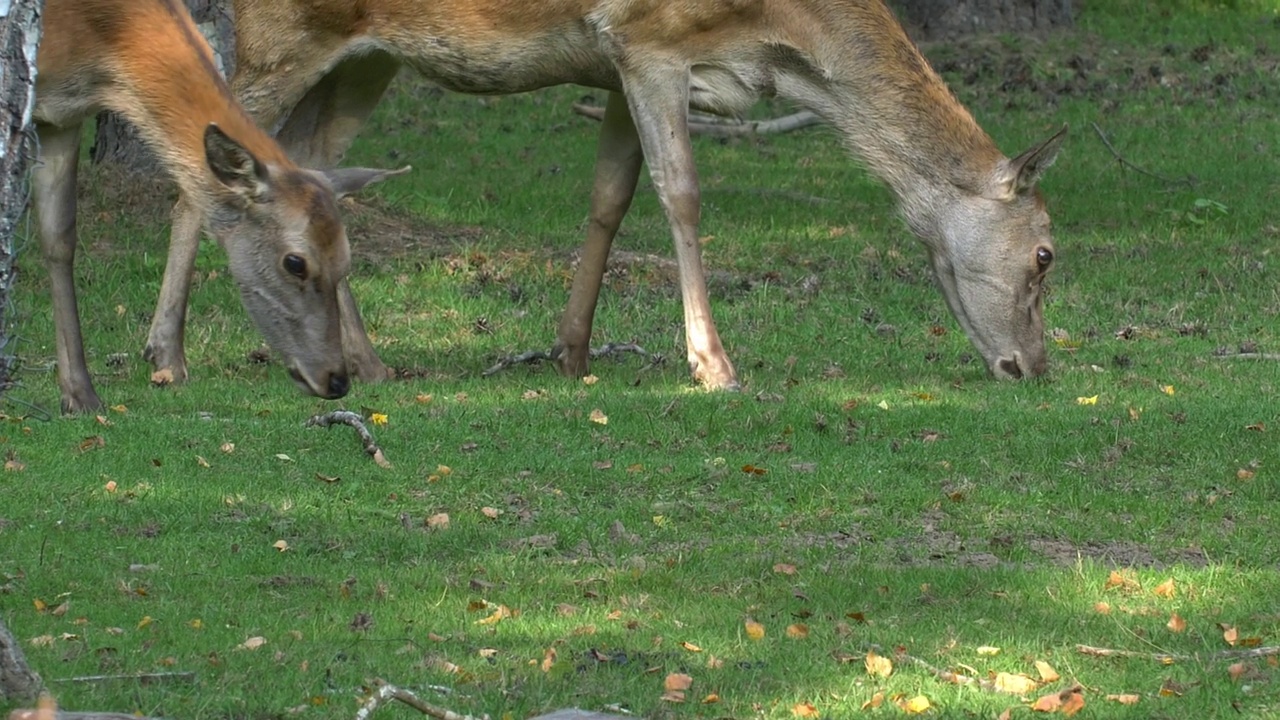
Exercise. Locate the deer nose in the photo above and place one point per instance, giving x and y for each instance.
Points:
(339, 384)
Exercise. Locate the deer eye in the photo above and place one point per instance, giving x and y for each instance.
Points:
(296, 266)
(1044, 257)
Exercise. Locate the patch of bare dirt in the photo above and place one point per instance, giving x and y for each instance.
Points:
(1120, 553)
(380, 231)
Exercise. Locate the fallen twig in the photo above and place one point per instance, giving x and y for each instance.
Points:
(948, 676)
(725, 127)
(184, 676)
(1257, 652)
(1189, 180)
(386, 691)
(346, 417)
(611, 348)
(1249, 356)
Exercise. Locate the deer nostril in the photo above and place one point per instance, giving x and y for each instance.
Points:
(1011, 366)
(339, 384)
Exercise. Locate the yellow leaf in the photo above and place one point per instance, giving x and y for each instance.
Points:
(501, 613)
(599, 417)
(1165, 589)
(162, 377)
(988, 650)
(878, 665)
(755, 630)
(227, 448)
(1047, 673)
(915, 705)
(280, 545)
(690, 647)
(1176, 623)
(1166, 389)
(252, 643)
(1230, 635)
(883, 405)
(119, 408)
(1125, 698)
(875, 701)
(40, 605)
(201, 461)
(41, 641)
(798, 631)
(195, 623)
(804, 710)
(145, 621)
(1014, 684)
(423, 398)
(1087, 400)
(710, 699)
(590, 379)
(378, 418)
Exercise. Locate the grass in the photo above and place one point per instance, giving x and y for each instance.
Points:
(921, 505)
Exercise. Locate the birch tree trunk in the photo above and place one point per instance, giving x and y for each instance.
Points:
(19, 36)
(116, 140)
(942, 19)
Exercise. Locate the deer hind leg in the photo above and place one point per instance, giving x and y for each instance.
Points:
(54, 186)
(316, 134)
(659, 102)
(618, 160)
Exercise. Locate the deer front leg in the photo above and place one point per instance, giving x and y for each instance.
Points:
(54, 186)
(618, 160)
(165, 348)
(659, 103)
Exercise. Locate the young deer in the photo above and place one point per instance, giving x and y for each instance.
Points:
(316, 69)
(288, 251)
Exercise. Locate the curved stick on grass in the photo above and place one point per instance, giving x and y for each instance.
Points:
(1189, 180)
(715, 126)
(346, 417)
(1249, 356)
(386, 691)
(1265, 651)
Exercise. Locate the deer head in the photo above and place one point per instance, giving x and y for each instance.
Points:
(991, 259)
(288, 251)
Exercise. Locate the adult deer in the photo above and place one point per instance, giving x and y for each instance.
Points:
(279, 223)
(316, 69)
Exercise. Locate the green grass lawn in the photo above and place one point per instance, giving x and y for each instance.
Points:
(871, 487)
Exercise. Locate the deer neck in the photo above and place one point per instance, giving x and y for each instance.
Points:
(864, 76)
(167, 86)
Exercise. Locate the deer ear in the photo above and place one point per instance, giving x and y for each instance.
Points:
(234, 166)
(1021, 174)
(347, 181)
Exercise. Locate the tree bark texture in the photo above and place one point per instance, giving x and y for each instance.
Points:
(19, 37)
(117, 141)
(945, 19)
(17, 681)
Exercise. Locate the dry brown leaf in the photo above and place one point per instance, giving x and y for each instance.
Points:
(501, 613)
(1125, 698)
(915, 705)
(711, 699)
(1121, 579)
(677, 681)
(690, 647)
(252, 643)
(439, 521)
(597, 416)
(755, 630)
(804, 710)
(798, 631)
(784, 568)
(280, 545)
(878, 665)
(1176, 623)
(1171, 688)
(162, 377)
(1230, 635)
(1072, 703)
(1014, 684)
(714, 663)
(1165, 589)
(1235, 670)
(1047, 673)
(548, 659)
(490, 512)
(1102, 608)
(875, 702)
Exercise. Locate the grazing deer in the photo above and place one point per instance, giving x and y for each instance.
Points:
(279, 223)
(316, 69)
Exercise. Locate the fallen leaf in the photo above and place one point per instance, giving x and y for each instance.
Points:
(599, 417)
(548, 659)
(280, 545)
(439, 521)
(201, 461)
(784, 568)
(690, 647)
(1047, 703)
(1230, 635)
(283, 458)
(1176, 623)
(1102, 608)
(1165, 589)
(798, 631)
(988, 650)
(1087, 401)
(1170, 688)
(378, 418)
(804, 710)
(1047, 673)
(915, 705)
(1235, 670)
(1166, 389)
(711, 699)
(145, 621)
(491, 513)
(227, 448)
(677, 681)
(501, 613)
(1072, 703)
(883, 404)
(1125, 698)
(252, 643)
(878, 665)
(876, 701)
(162, 377)
(755, 630)
(1014, 684)
(590, 379)
(41, 641)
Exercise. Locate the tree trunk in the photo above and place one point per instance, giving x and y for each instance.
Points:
(116, 140)
(944, 19)
(19, 36)
(17, 681)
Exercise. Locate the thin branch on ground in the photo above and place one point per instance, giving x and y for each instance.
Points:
(346, 417)
(1189, 180)
(611, 348)
(386, 691)
(1257, 652)
(725, 127)
(948, 676)
(184, 676)
(1249, 356)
